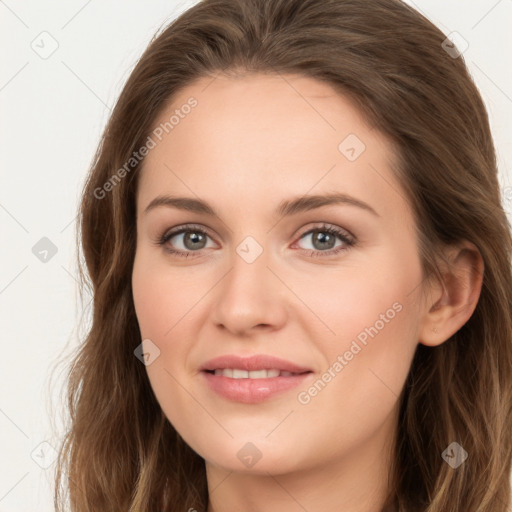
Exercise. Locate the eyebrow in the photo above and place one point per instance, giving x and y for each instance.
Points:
(285, 208)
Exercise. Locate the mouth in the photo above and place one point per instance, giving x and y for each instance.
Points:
(253, 379)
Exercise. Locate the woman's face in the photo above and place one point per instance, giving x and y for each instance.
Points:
(310, 257)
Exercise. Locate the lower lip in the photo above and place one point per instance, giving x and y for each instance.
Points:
(252, 391)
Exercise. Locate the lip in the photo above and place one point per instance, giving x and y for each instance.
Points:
(253, 363)
(249, 390)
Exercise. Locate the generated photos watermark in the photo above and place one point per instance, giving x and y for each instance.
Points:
(151, 143)
(305, 397)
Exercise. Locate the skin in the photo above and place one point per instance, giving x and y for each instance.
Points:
(251, 143)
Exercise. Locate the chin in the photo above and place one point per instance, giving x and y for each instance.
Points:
(252, 457)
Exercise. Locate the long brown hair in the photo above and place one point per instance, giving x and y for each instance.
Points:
(120, 452)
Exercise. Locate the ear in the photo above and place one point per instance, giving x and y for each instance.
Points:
(452, 302)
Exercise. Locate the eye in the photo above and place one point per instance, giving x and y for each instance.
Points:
(323, 239)
(190, 238)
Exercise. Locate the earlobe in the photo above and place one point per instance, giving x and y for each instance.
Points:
(455, 299)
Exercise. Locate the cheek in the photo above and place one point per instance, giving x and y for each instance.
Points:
(366, 365)
(374, 294)
(165, 306)
(372, 318)
(161, 297)
(159, 306)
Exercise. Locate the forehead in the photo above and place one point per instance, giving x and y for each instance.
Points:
(259, 136)
(253, 109)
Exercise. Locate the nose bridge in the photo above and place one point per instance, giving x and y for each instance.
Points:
(249, 293)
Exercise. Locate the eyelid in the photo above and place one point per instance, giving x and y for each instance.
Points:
(325, 225)
(176, 230)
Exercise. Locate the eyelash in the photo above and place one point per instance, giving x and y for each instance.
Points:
(325, 228)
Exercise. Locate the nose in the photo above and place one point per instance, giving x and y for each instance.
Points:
(250, 297)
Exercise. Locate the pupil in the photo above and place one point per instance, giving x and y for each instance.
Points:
(194, 238)
(324, 238)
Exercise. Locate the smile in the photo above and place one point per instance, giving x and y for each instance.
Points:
(251, 387)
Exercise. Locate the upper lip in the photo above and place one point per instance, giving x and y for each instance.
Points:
(253, 363)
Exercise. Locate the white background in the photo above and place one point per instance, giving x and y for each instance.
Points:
(53, 112)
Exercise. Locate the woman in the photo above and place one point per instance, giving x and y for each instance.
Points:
(261, 368)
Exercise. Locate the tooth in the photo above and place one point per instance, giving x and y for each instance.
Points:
(258, 374)
(240, 374)
(235, 373)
